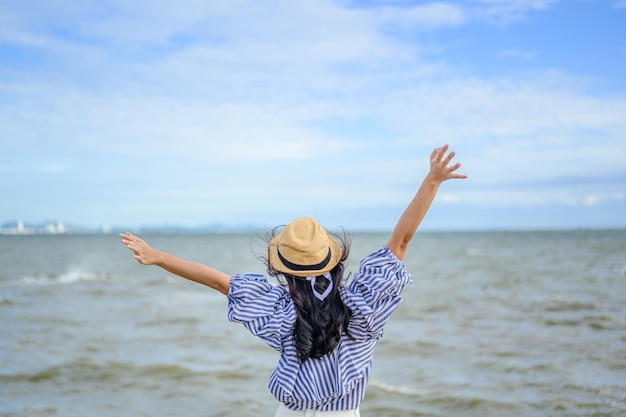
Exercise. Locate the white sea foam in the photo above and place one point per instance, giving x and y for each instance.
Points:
(69, 277)
(398, 389)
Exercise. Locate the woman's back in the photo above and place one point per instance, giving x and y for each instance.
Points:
(337, 380)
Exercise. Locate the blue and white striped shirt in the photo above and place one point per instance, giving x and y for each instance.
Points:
(336, 381)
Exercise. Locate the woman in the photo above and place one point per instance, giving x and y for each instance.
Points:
(324, 331)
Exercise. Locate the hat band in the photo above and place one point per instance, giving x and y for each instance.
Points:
(296, 267)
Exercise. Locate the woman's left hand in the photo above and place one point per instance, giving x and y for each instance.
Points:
(440, 168)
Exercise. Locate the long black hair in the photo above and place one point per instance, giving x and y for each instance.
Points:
(319, 324)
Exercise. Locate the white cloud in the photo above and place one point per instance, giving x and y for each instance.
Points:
(509, 129)
(246, 89)
(245, 98)
(591, 200)
(449, 198)
(427, 16)
(518, 53)
(620, 4)
(507, 11)
(597, 199)
(50, 168)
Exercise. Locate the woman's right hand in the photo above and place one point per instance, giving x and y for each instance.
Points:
(193, 271)
(144, 254)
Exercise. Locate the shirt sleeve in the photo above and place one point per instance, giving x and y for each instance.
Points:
(375, 293)
(265, 310)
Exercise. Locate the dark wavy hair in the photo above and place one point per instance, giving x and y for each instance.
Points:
(319, 324)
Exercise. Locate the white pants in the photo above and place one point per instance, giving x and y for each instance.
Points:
(283, 411)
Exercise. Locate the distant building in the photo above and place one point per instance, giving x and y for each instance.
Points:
(20, 228)
(58, 228)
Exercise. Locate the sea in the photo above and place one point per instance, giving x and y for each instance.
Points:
(499, 323)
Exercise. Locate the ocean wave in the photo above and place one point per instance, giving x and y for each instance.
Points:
(86, 370)
(503, 342)
(562, 303)
(397, 389)
(5, 301)
(595, 322)
(161, 321)
(69, 277)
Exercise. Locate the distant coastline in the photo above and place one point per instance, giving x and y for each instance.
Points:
(21, 228)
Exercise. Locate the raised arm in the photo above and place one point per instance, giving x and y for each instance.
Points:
(413, 215)
(193, 271)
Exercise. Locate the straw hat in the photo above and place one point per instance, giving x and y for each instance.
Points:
(303, 249)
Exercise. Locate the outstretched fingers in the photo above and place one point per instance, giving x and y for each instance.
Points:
(141, 250)
(452, 174)
(438, 153)
(449, 158)
(440, 164)
(129, 240)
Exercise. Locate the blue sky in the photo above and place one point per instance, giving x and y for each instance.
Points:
(251, 112)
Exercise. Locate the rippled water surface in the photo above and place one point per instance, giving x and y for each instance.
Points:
(495, 324)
